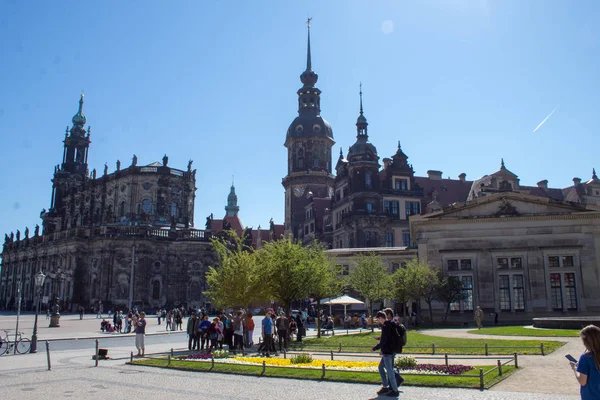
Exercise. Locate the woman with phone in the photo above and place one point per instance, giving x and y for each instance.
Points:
(587, 370)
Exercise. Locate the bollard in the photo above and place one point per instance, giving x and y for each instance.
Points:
(331, 355)
(284, 354)
(97, 346)
(486, 349)
(499, 368)
(340, 350)
(432, 349)
(516, 361)
(323, 374)
(131, 357)
(446, 359)
(48, 355)
(168, 360)
(264, 367)
(481, 384)
(542, 348)
(212, 363)
(172, 353)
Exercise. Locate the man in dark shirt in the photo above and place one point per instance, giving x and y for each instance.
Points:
(283, 330)
(386, 365)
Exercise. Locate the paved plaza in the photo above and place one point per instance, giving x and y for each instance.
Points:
(73, 374)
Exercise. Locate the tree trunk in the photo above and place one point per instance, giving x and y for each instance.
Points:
(430, 313)
(446, 313)
(372, 317)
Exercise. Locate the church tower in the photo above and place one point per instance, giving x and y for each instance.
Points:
(71, 173)
(232, 207)
(309, 140)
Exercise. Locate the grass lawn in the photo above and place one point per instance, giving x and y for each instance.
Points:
(522, 331)
(468, 380)
(419, 343)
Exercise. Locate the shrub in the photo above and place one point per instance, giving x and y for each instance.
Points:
(220, 354)
(405, 362)
(302, 358)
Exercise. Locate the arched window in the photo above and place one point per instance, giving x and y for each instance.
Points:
(300, 158)
(122, 209)
(155, 290)
(368, 182)
(146, 206)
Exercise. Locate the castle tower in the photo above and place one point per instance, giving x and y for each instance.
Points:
(309, 140)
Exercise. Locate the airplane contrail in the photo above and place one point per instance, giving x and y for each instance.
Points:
(545, 119)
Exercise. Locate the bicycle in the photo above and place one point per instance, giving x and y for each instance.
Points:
(6, 345)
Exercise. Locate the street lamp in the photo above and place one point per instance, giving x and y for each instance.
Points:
(55, 318)
(39, 283)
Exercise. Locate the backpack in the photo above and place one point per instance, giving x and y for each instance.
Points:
(398, 337)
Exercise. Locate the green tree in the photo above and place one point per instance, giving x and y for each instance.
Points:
(324, 278)
(371, 279)
(422, 282)
(234, 281)
(401, 292)
(450, 290)
(285, 270)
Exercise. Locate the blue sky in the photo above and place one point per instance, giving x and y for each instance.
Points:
(460, 83)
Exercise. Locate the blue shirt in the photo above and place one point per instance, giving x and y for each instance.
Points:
(204, 325)
(267, 324)
(591, 390)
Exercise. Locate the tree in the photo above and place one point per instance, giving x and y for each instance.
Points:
(401, 292)
(324, 277)
(285, 270)
(371, 279)
(422, 282)
(235, 280)
(450, 290)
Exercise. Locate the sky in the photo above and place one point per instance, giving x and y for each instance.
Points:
(460, 83)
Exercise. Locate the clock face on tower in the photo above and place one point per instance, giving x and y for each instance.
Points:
(298, 190)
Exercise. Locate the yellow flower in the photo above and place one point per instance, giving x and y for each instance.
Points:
(315, 363)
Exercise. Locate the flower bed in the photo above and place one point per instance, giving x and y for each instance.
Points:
(367, 366)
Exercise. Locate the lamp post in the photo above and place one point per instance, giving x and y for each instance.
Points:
(39, 283)
(55, 318)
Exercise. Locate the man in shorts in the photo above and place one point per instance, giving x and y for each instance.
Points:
(140, 331)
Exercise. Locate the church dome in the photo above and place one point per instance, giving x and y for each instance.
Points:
(305, 126)
(79, 119)
(362, 147)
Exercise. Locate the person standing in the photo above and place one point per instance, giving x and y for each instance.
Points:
(140, 331)
(479, 317)
(283, 330)
(203, 330)
(238, 332)
(267, 332)
(192, 326)
(250, 324)
(386, 365)
(587, 370)
(300, 327)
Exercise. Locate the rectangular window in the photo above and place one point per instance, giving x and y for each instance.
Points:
(502, 263)
(570, 291)
(467, 282)
(400, 184)
(504, 289)
(553, 262)
(395, 209)
(413, 208)
(345, 270)
(395, 267)
(367, 238)
(389, 239)
(519, 292)
(369, 207)
(465, 265)
(516, 262)
(406, 239)
(452, 265)
(567, 261)
(556, 292)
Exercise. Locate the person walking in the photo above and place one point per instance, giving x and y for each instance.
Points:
(587, 370)
(479, 317)
(140, 331)
(267, 332)
(386, 365)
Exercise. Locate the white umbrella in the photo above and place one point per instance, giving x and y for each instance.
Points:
(345, 300)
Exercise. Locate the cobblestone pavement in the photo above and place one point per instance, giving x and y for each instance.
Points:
(543, 374)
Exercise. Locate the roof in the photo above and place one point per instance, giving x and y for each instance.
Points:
(445, 191)
(217, 224)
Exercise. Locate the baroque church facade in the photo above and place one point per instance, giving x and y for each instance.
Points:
(521, 251)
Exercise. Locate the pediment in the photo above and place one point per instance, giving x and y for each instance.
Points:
(509, 205)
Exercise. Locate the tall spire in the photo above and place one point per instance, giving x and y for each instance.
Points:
(502, 163)
(308, 61)
(232, 207)
(79, 119)
(361, 122)
(308, 77)
(594, 176)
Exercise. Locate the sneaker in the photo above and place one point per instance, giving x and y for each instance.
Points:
(393, 393)
(383, 390)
